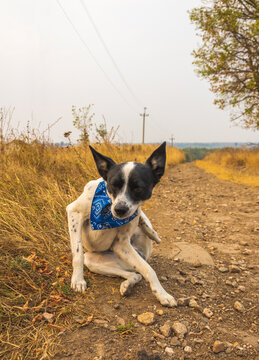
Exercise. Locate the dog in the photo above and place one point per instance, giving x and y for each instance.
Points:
(109, 232)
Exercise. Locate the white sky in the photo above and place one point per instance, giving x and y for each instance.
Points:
(45, 69)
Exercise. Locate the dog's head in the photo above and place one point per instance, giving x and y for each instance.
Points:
(130, 183)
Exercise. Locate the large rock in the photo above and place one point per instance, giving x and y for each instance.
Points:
(191, 253)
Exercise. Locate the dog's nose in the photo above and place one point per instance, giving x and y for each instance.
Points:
(121, 210)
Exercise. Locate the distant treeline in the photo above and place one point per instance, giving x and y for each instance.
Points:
(197, 153)
(210, 145)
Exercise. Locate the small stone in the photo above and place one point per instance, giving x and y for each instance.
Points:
(239, 306)
(223, 269)
(180, 279)
(231, 283)
(194, 280)
(188, 349)
(166, 328)
(234, 284)
(193, 303)
(169, 350)
(120, 321)
(48, 317)
(179, 329)
(175, 341)
(234, 269)
(159, 336)
(101, 322)
(162, 345)
(247, 252)
(146, 318)
(243, 243)
(164, 278)
(205, 295)
(241, 288)
(229, 348)
(116, 306)
(160, 312)
(218, 346)
(183, 301)
(207, 312)
(198, 341)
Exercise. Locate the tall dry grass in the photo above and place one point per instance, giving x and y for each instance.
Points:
(237, 165)
(36, 183)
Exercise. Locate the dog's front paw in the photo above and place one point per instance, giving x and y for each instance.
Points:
(167, 300)
(78, 285)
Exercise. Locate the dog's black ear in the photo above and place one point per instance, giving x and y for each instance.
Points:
(157, 162)
(103, 163)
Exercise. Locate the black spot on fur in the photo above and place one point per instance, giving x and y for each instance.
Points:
(115, 180)
(140, 184)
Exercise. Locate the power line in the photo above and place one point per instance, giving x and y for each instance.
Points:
(51, 125)
(96, 61)
(92, 55)
(109, 53)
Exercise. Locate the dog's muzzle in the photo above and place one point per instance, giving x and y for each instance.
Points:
(121, 210)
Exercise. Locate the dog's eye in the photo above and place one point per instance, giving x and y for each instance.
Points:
(138, 190)
(117, 184)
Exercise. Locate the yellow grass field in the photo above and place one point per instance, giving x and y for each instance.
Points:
(237, 165)
(36, 184)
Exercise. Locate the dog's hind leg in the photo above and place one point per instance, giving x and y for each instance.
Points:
(109, 264)
(146, 227)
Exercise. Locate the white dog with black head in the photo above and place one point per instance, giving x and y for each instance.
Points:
(109, 232)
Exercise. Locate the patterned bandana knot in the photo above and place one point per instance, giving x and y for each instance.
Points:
(101, 217)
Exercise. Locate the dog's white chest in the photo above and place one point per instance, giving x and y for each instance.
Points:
(97, 240)
(102, 240)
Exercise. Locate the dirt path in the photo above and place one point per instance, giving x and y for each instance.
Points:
(189, 208)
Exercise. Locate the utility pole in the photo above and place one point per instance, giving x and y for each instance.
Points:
(144, 115)
(172, 140)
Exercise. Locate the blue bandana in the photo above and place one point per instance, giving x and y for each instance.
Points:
(101, 217)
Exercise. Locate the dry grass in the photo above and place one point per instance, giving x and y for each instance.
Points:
(36, 184)
(237, 165)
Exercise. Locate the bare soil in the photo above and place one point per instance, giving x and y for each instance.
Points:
(193, 207)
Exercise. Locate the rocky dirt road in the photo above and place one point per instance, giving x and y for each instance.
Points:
(208, 260)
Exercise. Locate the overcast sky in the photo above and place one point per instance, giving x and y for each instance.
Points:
(45, 69)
